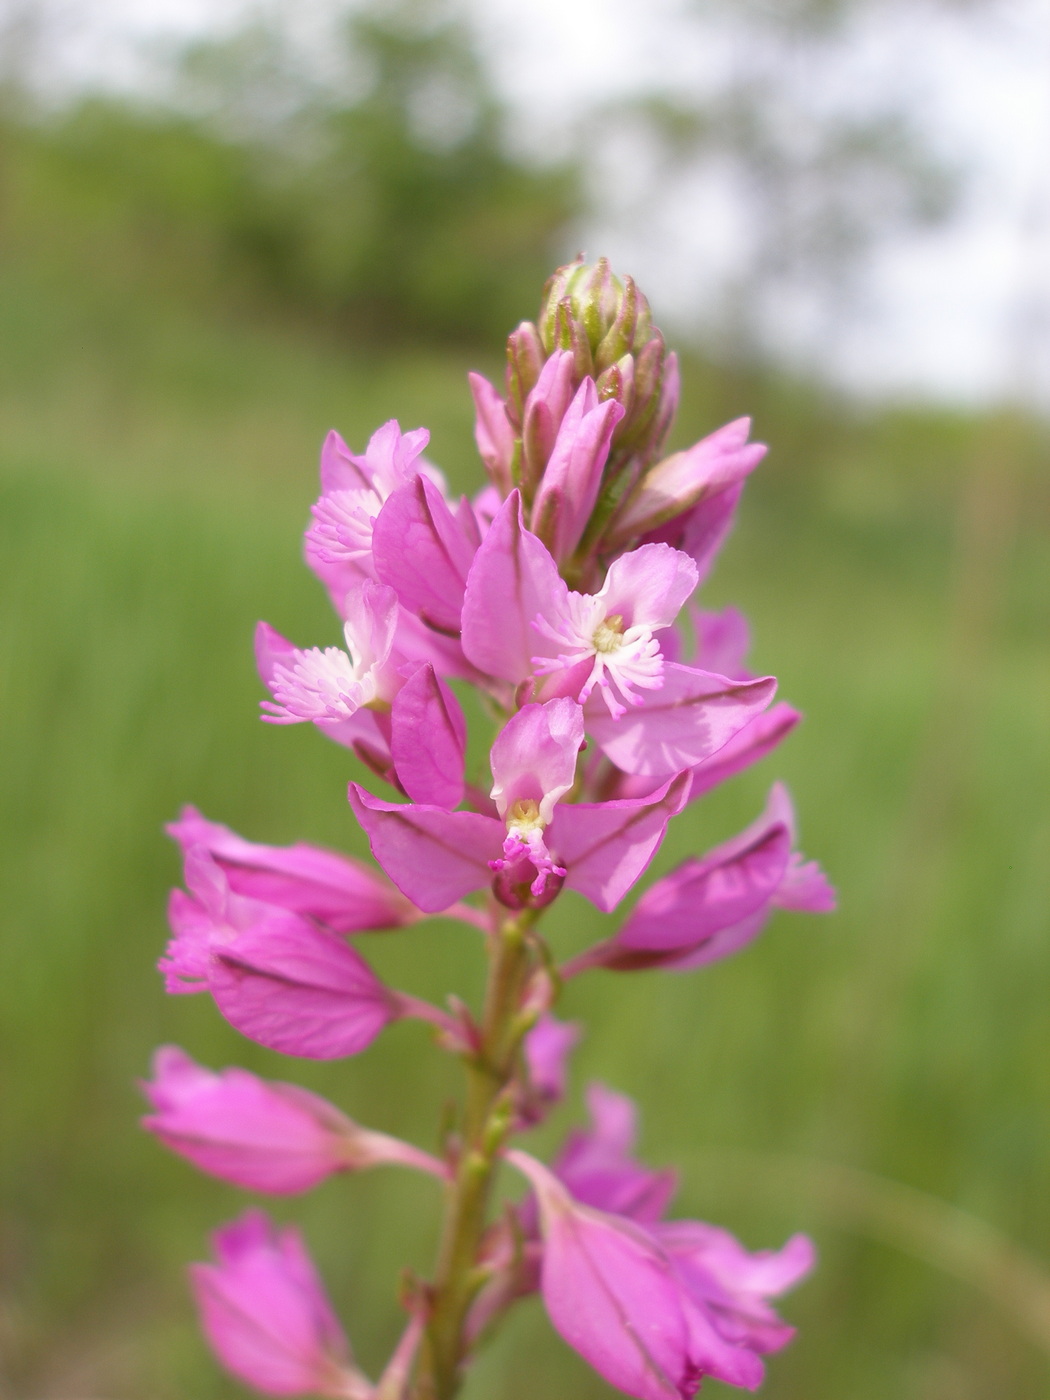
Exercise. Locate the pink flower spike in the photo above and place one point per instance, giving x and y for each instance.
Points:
(570, 483)
(492, 433)
(680, 481)
(428, 737)
(421, 550)
(611, 1293)
(512, 579)
(274, 1138)
(334, 889)
(435, 857)
(265, 1313)
(693, 715)
(606, 846)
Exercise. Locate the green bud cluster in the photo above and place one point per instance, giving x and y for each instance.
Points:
(606, 322)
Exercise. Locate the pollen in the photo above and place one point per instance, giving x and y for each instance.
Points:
(608, 635)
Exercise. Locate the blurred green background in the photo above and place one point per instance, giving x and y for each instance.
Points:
(184, 311)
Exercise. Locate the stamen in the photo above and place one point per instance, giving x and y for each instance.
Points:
(608, 635)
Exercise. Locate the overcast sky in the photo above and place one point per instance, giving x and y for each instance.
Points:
(963, 312)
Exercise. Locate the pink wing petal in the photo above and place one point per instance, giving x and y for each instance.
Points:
(422, 552)
(427, 740)
(298, 989)
(687, 720)
(757, 738)
(433, 856)
(512, 579)
(701, 897)
(606, 846)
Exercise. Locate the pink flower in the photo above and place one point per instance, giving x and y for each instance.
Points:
(338, 545)
(597, 1164)
(733, 1284)
(334, 889)
(617, 1298)
(278, 978)
(707, 909)
(536, 843)
(265, 1313)
(685, 479)
(329, 687)
(545, 1050)
(521, 623)
(269, 1137)
(606, 640)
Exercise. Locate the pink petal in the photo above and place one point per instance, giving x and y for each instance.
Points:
(688, 719)
(546, 1049)
(492, 432)
(597, 1165)
(265, 1313)
(343, 893)
(702, 897)
(513, 578)
(611, 1293)
(757, 739)
(723, 641)
(606, 846)
(274, 1138)
(434, 857)
(428, 736)
(534, 756)
(296, 988)
(649, 586)
(571, 480)
(676, 484)
(421, 551)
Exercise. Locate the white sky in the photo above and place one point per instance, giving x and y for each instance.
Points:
(942, 311)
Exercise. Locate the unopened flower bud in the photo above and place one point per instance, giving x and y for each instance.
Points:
(606, 323)
(525, 357)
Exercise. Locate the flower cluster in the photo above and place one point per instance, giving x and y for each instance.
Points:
(561, 593)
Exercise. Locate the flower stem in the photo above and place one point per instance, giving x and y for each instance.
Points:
(485, 1125)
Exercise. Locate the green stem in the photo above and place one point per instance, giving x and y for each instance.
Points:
(484, 1127)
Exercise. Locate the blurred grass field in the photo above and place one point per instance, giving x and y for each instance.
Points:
(156, 468)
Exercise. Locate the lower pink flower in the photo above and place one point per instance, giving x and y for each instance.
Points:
(265, 1313)
(652, 1310)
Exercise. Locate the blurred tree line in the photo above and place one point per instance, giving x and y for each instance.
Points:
(370, 175)
(379, 194)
